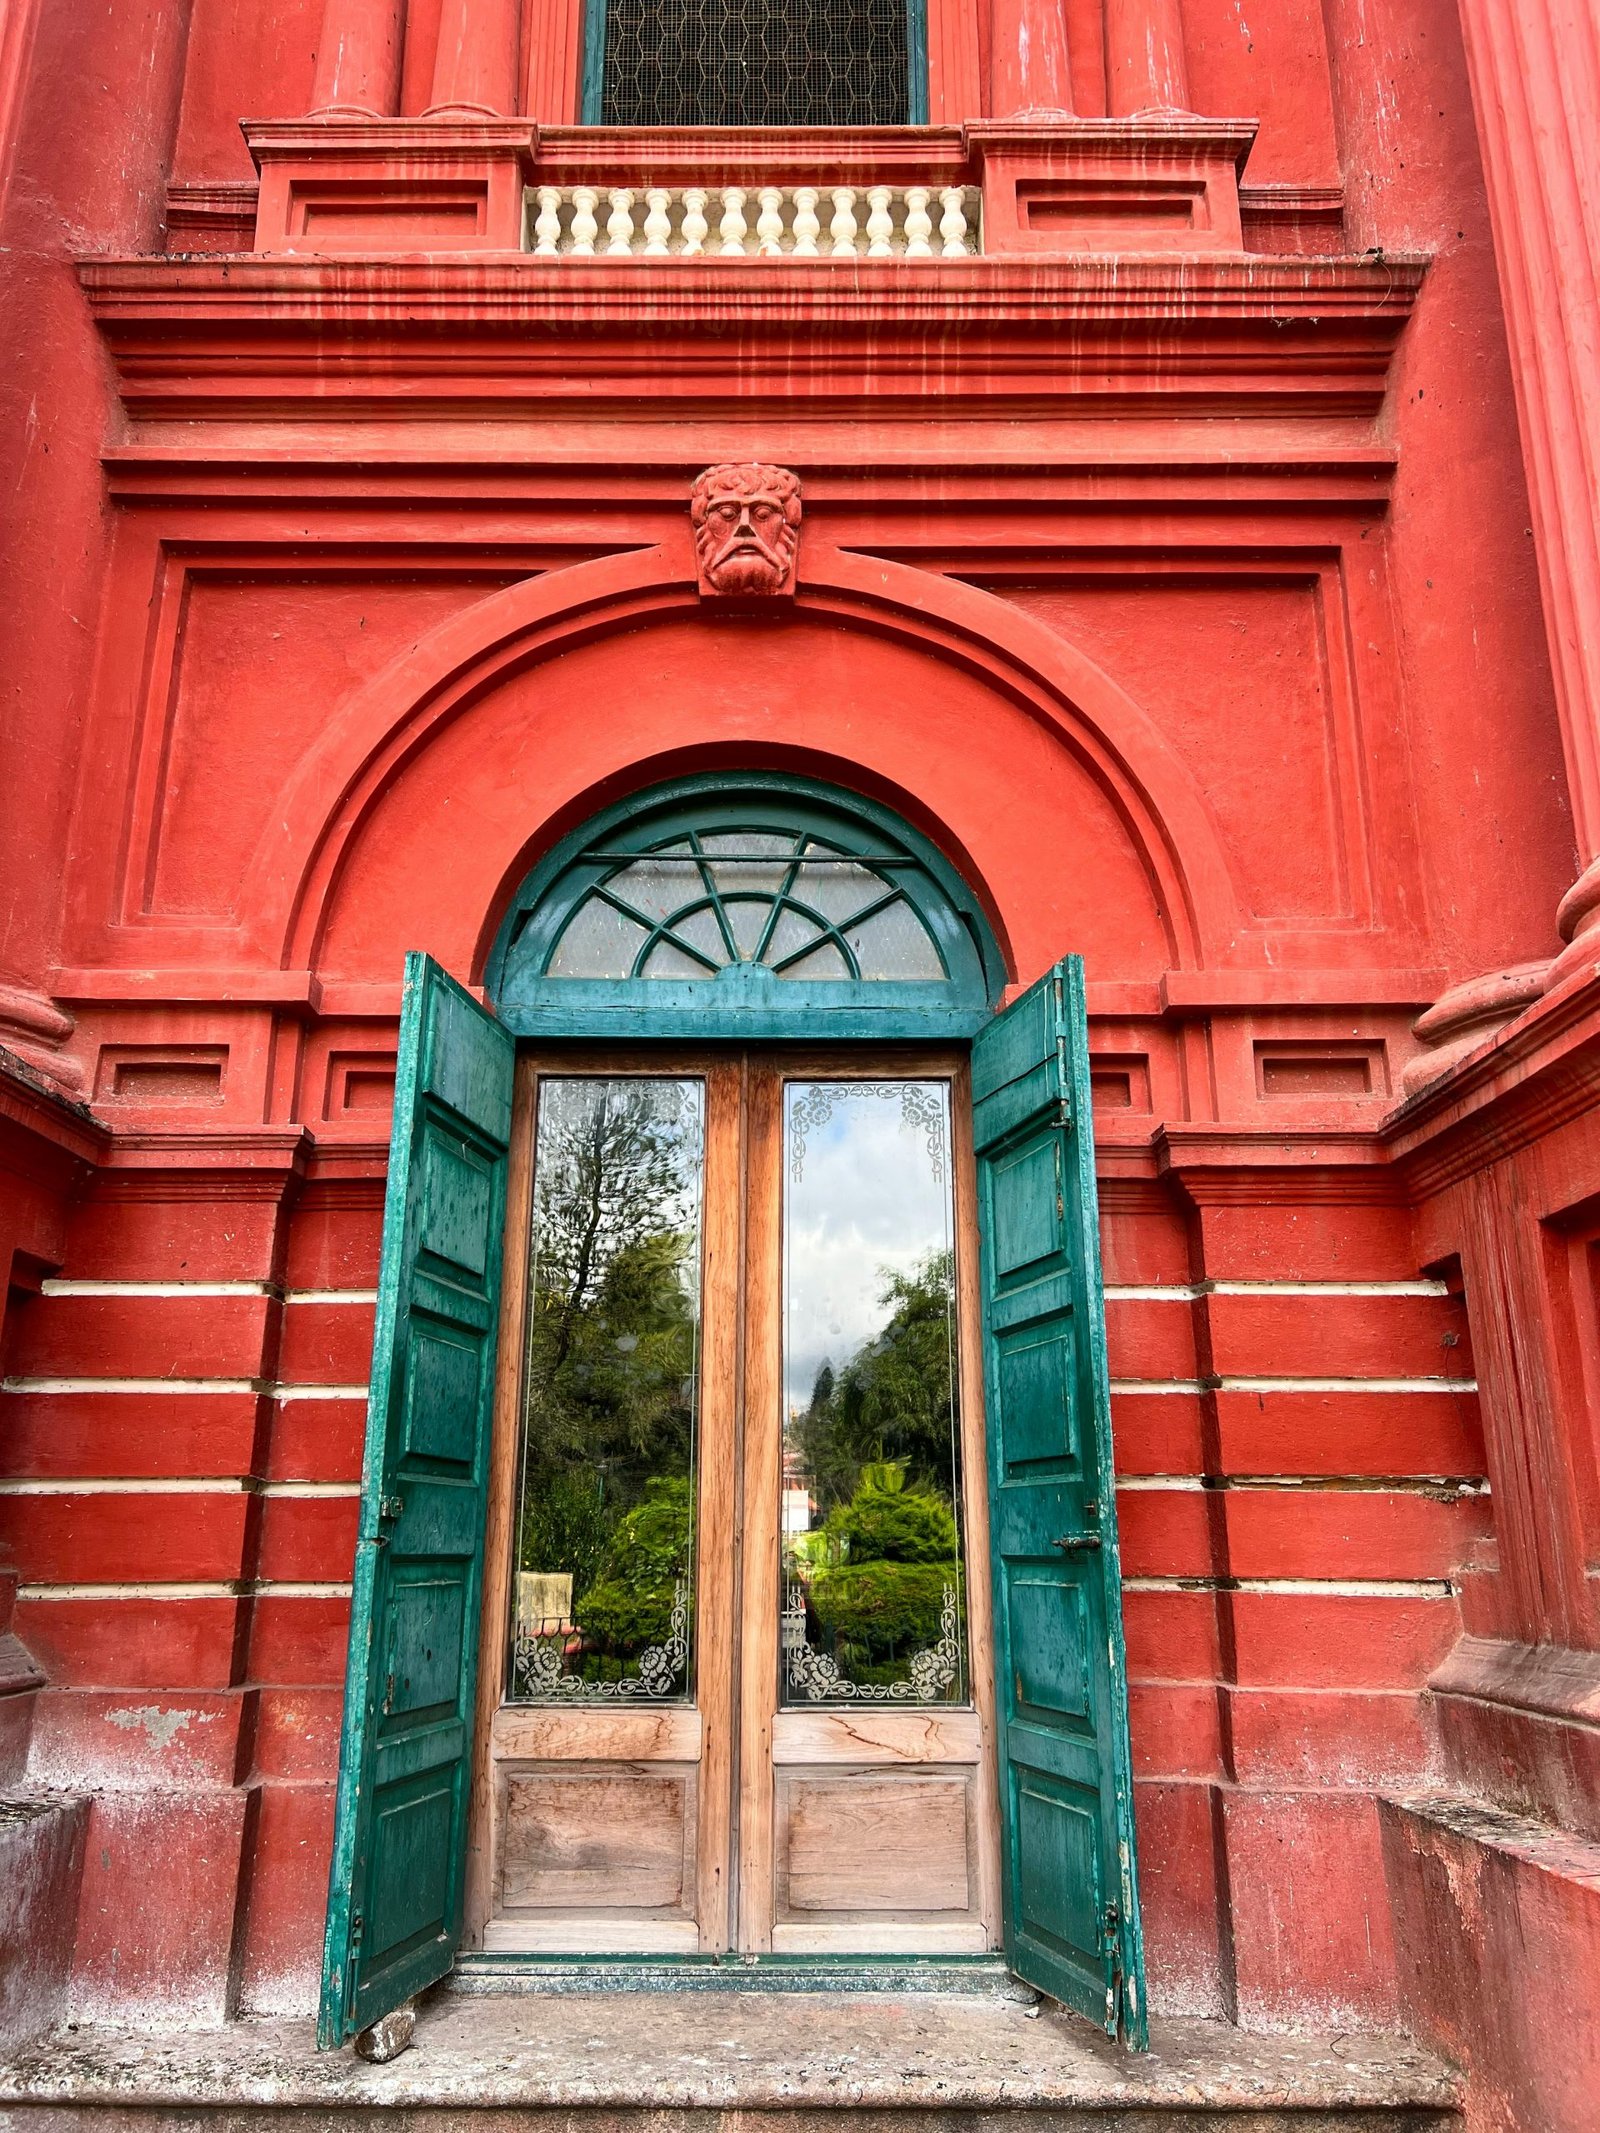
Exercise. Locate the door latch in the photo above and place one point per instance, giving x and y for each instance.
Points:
(1077, 1543)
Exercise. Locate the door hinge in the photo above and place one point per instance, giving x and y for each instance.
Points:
(391, 1507)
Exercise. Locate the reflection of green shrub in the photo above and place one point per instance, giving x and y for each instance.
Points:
(885, 1522)
(895, 1551)
(629, 1605)
(881, 1609)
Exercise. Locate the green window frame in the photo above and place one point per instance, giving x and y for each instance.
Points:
(759, 991)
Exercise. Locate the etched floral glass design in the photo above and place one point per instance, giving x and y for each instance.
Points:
(604, 1567)
(780, 899)
(874, 1579)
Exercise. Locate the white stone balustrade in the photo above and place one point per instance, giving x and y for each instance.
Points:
(754, 222)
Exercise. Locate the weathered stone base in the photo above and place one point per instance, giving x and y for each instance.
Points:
(1497, 1931)
(727, 2063)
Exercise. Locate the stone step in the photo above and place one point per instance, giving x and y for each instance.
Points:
(41, 1865)
(731, 2062)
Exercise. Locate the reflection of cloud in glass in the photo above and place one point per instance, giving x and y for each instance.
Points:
(868, 1202)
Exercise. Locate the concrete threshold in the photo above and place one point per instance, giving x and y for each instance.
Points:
(706, 2062)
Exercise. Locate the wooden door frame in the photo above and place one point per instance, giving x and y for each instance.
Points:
(737, 1376)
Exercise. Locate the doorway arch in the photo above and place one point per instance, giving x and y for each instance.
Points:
(752, 905)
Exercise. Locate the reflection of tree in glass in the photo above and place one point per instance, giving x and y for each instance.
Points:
(611, 1342)
(877, 1441)
(895, 1398)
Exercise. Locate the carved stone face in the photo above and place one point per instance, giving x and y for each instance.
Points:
(746, 523)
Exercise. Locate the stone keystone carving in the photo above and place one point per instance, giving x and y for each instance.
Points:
(746, 521)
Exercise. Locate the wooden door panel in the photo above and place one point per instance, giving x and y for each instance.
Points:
(876, 1736)
(874, 1842)
(1072, 1917)
(607, 1839)
(396, 1880)
(665, 1733)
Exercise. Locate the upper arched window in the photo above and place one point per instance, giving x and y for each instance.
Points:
(754, 63)
(743, 908)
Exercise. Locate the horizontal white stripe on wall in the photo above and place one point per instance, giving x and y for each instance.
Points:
(261, 1387)
(53, 1287)
(1192, 1291)
(173, 1485)
(156, 1288)
(172, 1385)
(1346, 1384)
(259, 1589)
(1172, 1385)
(1308, 1484)
(1304, 1588)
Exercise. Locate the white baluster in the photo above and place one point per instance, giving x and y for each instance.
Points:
(657, 222)
(695, 227)
(842, 229)
(919, 223)
(619, 225)
(585, 229)
(807, 229)
(953, 222)
(547, 223)
(733, 229)
(769, 223)
(880, 223)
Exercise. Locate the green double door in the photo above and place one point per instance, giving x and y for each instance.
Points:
(1070, 1904)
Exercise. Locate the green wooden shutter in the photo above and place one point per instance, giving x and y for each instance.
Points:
(1071, 1889)
(405, 1765)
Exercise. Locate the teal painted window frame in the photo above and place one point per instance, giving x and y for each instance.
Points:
(592, 86)
(744, 1003)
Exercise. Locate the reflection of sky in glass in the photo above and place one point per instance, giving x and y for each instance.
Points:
(868, 1200)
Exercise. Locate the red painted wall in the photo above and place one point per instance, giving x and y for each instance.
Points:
(1207, 647)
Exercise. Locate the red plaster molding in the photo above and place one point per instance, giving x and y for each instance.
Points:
(1222, 1166)
(36, 1115)
(334, 789)
(1533, 1076)
(1173, 294)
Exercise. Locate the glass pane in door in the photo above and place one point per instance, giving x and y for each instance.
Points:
(603, 1601)
(871, 1514)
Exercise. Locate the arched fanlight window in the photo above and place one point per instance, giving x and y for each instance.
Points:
(754, 907)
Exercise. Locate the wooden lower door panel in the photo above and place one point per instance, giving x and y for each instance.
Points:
(596, 1859)
(877, 1832)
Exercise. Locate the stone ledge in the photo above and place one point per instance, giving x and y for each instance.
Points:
(700, 2061)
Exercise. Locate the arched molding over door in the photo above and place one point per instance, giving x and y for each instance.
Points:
(379, 731)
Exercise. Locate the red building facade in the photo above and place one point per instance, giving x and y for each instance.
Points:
(1198, 552)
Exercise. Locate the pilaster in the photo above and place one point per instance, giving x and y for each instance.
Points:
(1535, 73)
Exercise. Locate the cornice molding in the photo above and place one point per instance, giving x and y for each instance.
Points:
(1529, 1080)
(1176, 293)
(1256, 341)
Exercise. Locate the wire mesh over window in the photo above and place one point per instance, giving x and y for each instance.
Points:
(755, 63)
